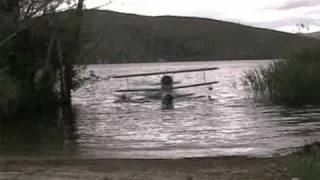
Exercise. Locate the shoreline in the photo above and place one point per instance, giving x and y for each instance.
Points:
(182, 61)
(204, 168)
(226, 167)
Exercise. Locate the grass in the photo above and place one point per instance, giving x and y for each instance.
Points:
(306, 165)
(294, 81)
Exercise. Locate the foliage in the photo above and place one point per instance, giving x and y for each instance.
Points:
(294, 81)
(23, 58)
(9, 91)
(37, 54)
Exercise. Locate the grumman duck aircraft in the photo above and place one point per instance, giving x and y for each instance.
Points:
(166, 88)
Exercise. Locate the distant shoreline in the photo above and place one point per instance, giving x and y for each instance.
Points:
(191, 61)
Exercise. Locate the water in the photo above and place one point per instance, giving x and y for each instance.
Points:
(232, 124)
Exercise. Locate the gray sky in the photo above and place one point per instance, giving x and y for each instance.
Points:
(283, 15)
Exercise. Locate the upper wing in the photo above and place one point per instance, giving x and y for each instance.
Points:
(165, 72)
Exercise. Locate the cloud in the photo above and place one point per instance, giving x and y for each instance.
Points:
(314, 11)
(271, 14)
(293, 4)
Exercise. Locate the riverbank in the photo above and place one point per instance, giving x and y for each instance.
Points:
(224, 168)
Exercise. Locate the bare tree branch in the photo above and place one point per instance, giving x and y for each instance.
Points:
(29, 7)
(31, 12)
(13, 35)
(102, 5)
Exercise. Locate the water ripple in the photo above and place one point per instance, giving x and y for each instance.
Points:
(231, 124)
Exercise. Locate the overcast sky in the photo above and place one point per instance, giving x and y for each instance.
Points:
(283, 15)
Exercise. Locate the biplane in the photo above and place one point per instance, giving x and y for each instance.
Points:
(167, 86)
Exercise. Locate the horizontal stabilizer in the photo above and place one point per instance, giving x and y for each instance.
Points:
(165, 72)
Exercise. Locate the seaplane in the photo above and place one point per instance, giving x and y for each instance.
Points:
(167, 86)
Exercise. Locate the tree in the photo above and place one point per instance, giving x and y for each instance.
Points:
(35, 52)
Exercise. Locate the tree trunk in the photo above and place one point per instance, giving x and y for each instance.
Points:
(66, 72)
(65, 88)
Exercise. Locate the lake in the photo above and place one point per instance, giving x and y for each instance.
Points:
(233, 123)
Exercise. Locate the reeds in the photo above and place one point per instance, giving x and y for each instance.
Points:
(294, 81)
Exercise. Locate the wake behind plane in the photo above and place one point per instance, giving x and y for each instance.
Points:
(167, 85)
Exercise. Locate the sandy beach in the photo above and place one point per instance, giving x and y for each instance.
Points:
(216, 168)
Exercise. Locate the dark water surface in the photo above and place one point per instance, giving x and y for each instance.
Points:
(231, 124)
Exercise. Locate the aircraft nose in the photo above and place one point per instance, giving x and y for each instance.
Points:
(167, 80)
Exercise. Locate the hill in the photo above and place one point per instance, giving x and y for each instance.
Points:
(134, 38)
(315, 35)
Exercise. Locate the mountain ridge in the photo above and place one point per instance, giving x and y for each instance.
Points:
(126, 38)
(315, 35)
